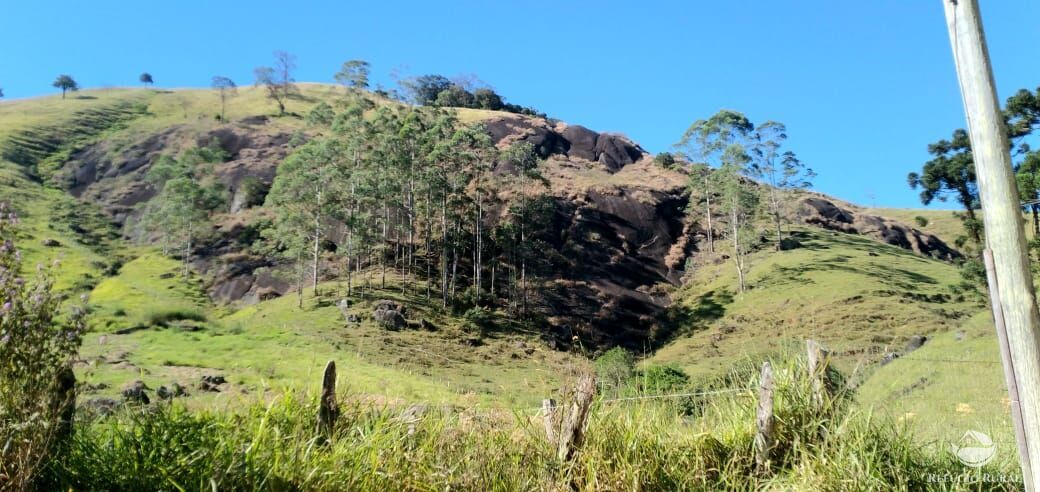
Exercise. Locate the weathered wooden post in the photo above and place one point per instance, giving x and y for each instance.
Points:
(64, 402)
(328, 409)
(765, 440)
(818, 361)
(1002, 218)
(549, 419)
(572, 433)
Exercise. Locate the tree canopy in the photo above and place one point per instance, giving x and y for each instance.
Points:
(65, 83)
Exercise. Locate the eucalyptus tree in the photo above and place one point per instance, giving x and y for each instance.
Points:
(278, 81)
(353, 74)
(188, 193)
(782, 171)
(706, 141)
(304, 196)
(226, 88)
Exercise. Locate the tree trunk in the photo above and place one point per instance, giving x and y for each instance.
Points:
(737, 253)
(707, 213)
(1036, 220)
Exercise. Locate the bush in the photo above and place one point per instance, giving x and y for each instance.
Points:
(665, 160)
(615, 368)
(37, 346)
(478, 319)
(664, 379)
(921, 221)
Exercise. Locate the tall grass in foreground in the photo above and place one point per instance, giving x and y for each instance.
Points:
(641, 445)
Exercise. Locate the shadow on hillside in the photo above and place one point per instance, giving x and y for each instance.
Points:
(891, 276)
(681, 319)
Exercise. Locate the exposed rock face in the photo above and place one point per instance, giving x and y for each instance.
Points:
(114, 177)
(824, 213)
(568, 141)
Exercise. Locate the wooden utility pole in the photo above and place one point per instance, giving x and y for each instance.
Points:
(1002, 216)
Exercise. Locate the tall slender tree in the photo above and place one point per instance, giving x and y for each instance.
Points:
(782, 171)
(226, 88)
(706, 141)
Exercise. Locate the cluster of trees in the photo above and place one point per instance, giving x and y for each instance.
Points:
(950, 173)
(730, 159)
(438, 90)
(187, 194)
(410, 190)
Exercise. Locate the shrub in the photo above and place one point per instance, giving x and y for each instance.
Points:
(478, 319)
(665, 160)
(615, 368)
(921, 221)
(37, 346)
(664, 379)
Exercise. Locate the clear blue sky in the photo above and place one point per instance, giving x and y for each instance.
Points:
(863, 86)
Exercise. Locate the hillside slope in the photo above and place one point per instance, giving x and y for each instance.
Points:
(630, 269)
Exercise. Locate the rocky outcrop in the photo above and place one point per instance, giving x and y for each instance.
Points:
(113, 173)
(610, 151)
(824, 213)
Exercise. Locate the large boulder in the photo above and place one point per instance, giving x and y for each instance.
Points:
(136, 392)
(389, 315)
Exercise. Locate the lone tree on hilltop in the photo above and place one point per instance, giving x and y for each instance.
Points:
(226, 88)
(146, 78)
(353, 74)
(278, 80)
(65, 83)
(1, 92)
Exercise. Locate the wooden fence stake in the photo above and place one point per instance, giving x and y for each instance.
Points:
(818, 361)
(328, 409)
(549, 419)
(573, 432)
(765, 440)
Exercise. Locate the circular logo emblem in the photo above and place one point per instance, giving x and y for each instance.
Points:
(975, 449)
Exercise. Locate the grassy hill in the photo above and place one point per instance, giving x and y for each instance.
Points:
(862, 298)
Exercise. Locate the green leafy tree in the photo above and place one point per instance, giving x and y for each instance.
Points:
(707, 141)
(486, 98)
(226, 88)
(146, 79)
(1027, 175)
(278, 80)
(425, 89)
(782, 171)
(740, 198)
(353, 74)
(304, 196)
(321, 115)
(65, 83)
(38, 345)
(187, 195)
(615, 368)
(951, 172)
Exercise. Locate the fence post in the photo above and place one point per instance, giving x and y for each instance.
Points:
(64, 402)
(573, 432)
(549, 419)
(818, 362)
(328, 409)
(765, 441)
